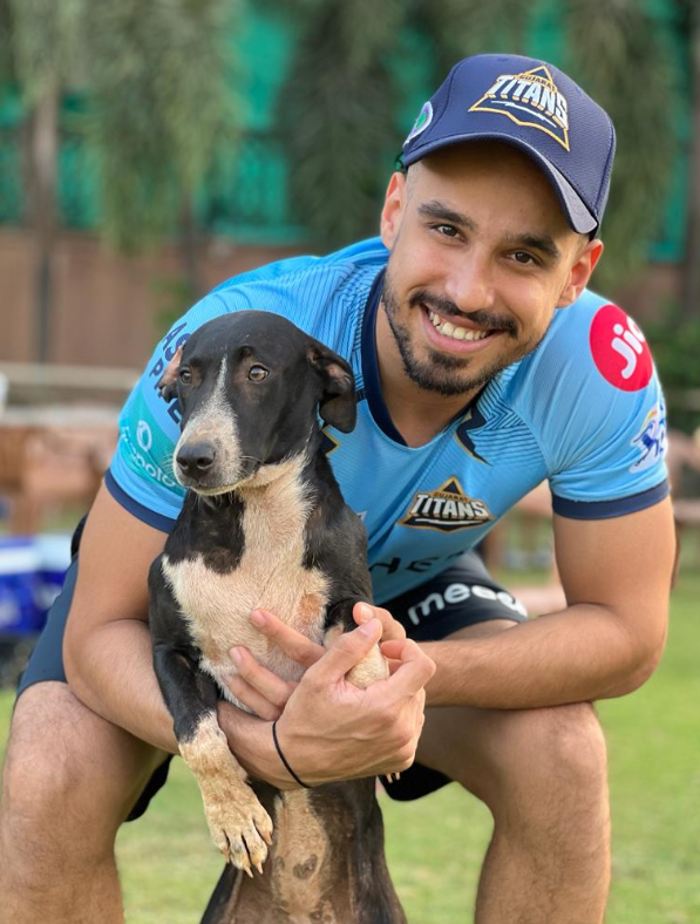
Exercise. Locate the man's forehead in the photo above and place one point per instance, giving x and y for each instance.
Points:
(469, 157)
(451, 174)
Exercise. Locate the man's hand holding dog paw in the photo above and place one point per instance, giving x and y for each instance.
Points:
(266, 694)
(354, 732)
(330, 729)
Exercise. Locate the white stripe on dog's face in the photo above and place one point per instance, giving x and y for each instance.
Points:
(214, 423)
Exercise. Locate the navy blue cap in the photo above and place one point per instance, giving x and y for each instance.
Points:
(535, 107)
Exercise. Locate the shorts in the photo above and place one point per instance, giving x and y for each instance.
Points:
(464, 594)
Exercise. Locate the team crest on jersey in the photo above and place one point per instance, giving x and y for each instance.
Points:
(531, 99)
(446, 509)
(650, 441)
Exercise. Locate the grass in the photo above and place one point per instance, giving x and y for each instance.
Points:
(169, 867)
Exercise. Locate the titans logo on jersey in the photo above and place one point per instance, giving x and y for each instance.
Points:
(446, 509)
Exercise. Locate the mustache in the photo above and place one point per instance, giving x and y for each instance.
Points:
(484, 319)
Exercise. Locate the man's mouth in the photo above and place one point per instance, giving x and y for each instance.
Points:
(455, 331)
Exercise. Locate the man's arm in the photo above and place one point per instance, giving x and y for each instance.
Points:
(107, 647)
(616, 575)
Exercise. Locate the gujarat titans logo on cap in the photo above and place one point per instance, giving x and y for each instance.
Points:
(531, 99)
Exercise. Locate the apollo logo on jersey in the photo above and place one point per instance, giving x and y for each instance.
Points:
(620, 350)
(139, 461)
(446, 509)
(531, 99)
(144, 435)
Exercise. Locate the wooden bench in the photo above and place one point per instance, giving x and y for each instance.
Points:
(52, 458)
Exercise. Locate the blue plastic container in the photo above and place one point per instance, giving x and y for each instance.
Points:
(32, 570)
(20, 612)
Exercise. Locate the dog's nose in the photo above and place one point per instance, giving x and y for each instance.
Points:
(196, 458)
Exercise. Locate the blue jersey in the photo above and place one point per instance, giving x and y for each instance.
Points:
(583, 410)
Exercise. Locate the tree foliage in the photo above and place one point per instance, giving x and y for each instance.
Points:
(335, 111)
(621, 60)
(160, 83)
(44, 38)
(158, 79)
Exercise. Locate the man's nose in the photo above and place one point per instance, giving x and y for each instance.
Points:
(470, 283)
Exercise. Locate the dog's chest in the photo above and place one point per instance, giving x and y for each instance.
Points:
(270, 576)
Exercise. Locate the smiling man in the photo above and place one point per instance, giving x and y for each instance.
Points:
(483, 366)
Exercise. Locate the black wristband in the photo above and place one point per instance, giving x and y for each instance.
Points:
(284, 759)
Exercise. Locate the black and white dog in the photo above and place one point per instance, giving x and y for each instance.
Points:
(264, 526)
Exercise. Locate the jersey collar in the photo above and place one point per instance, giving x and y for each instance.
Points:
(370, 366)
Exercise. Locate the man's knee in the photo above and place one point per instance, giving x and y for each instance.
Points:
(559, 740)
(551, 755)
(67, 773)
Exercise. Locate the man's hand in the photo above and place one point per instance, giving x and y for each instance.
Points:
(331, 730)
(328, 728)
(264, 692)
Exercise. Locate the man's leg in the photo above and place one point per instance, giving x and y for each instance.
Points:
(70, 779)
(543, 775)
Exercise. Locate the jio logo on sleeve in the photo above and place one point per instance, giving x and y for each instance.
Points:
(620, 350)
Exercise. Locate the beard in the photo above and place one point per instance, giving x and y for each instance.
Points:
(444, 373)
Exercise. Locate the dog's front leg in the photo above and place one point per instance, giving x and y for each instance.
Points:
(239, 825)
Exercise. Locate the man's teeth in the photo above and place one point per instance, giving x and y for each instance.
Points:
(457, 333)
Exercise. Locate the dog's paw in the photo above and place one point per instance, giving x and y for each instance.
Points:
(241, 829)
(371, 668)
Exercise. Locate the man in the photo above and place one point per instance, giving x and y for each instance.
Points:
(483, 366)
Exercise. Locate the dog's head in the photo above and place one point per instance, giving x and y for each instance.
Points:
(250, 385)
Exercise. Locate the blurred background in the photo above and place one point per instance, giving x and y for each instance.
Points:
(150, 150)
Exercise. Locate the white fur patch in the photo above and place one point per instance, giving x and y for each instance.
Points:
(269, 576)
(215, 423)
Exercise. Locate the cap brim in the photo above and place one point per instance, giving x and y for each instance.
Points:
(580, 218)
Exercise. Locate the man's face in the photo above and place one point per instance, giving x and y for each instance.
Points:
(481, 255)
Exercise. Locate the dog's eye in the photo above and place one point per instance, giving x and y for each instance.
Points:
(185, 376)
(258, 373)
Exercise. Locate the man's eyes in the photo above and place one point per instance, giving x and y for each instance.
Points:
(446, 230)
(525, 258)
(522, 257)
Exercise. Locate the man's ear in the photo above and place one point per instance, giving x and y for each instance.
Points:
(392, 209)
(337, 403)
(581, 272)
(167, 386)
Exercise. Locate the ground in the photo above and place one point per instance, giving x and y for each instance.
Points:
(169, 866)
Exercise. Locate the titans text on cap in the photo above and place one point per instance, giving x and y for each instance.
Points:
(529, 99)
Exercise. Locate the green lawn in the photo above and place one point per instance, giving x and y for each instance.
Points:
(168, 865)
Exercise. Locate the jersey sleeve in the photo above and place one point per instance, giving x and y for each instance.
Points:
(140, 476)
(603, 428)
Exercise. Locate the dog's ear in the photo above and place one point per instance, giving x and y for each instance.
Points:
(337, 403)
(167, 386)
